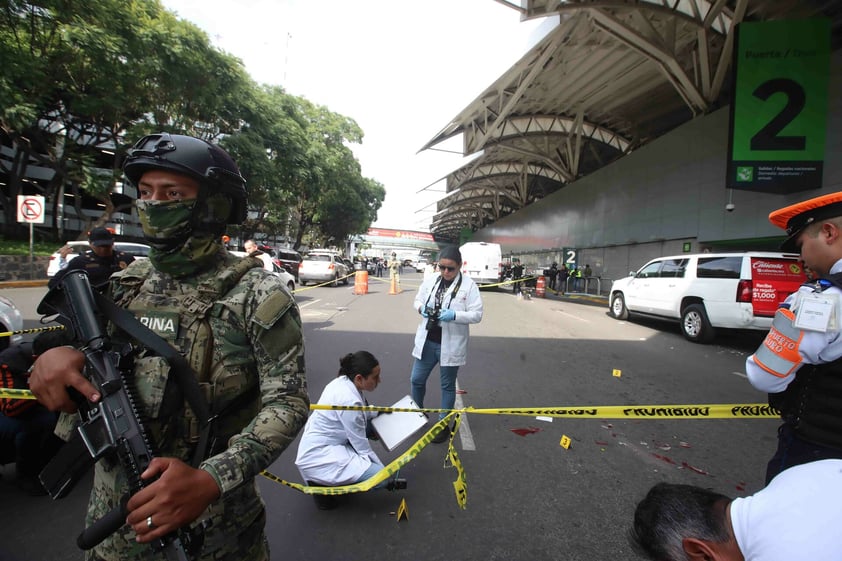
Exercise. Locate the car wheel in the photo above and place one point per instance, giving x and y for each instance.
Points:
(345, 280)
(303, 283)
(291, 286)
(335, 280)
(4, 341)
(695, 324)
(618, 307)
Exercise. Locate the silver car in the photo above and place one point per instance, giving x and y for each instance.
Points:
(323, 267)
(10, 320)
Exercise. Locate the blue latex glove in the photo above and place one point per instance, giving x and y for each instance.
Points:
(447, 315)
(424, 313)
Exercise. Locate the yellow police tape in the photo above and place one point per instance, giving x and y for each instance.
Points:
(394, 467)
(508, 282)
(33, 330)
(460, 486)
(336, 280)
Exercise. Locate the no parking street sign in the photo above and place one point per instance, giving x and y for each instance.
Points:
(31, 209)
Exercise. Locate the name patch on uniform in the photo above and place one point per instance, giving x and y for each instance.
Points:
(164, 324)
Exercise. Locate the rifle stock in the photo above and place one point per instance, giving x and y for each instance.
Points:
(112, 427)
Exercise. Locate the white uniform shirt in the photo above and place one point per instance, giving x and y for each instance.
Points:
(795, 517)
(467, 303)
(815, 347)
(334, 449)
(268, 264)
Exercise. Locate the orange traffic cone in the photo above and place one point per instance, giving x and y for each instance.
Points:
(393, 287)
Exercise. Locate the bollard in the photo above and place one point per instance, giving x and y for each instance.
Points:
(361, 282)
(541, 287)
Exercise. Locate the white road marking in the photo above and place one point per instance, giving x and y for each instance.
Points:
(464, 428)
(740, 374)
(310, 303)
(577, 318)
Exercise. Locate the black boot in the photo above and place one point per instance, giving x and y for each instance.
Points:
(396, 484)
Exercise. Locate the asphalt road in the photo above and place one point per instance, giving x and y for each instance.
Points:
(528, 497)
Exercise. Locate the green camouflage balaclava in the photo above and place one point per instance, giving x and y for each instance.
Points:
(184, 235)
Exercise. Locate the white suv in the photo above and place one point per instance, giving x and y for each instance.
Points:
(709, 290)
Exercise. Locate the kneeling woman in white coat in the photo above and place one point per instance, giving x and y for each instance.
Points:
(334, 448)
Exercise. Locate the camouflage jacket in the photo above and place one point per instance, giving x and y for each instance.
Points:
(241, 337)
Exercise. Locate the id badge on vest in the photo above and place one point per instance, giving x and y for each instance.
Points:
(817, 312)
(164, 324)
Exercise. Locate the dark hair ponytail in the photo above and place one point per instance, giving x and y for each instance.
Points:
(360, 362)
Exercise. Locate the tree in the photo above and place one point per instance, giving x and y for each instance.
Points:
(86, 75)
(333, 200)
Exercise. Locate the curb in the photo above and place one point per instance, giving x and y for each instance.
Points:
(23, 283)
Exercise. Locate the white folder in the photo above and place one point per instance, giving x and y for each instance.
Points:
(394, 428)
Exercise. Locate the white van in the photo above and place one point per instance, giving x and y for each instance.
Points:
(482, 261)
(710, 290)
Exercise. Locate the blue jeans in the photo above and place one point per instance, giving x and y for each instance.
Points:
(430, 356)
(371, 472)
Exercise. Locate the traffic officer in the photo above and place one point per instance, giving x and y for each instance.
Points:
(100, 262)
(240, 331)
(800, 362)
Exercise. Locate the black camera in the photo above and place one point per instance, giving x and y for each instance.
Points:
(432, 317)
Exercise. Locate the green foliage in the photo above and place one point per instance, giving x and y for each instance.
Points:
(21, 247)
(105, 72)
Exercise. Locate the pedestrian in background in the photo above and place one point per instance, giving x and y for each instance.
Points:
(395, 271)
(553, 275)
(563, 274)
(448, 303)
(517, 275)
(253, 251)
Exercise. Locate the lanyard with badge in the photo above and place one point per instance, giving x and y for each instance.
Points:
(816, 311)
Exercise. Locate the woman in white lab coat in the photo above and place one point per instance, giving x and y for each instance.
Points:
(334, 448)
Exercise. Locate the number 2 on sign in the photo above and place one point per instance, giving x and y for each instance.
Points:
(565, 441)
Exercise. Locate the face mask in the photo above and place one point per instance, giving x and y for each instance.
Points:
(166, 224)
(175, 248)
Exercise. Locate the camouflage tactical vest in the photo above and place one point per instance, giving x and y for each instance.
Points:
(196, 318)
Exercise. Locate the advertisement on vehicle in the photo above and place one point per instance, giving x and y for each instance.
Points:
(773, 280)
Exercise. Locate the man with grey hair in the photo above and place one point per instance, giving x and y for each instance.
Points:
(789, 519)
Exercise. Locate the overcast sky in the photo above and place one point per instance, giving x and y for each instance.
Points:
(401, 69)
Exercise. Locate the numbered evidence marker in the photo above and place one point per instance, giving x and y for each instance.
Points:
(565, 442)
(779, 109)
(617, 373)
(403, 512)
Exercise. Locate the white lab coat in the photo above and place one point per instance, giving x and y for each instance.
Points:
(467, 303)
(334, 449)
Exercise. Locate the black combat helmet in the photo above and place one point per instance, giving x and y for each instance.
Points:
(207, 163)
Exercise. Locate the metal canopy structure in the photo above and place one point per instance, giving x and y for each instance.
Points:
(610, 77)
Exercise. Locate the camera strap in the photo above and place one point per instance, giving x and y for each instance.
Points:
(439, 290)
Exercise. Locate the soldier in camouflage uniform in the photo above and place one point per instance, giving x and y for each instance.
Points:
(239, 329)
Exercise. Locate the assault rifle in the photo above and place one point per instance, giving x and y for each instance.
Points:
(110, 428)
